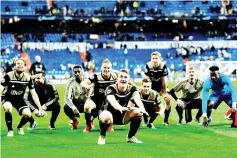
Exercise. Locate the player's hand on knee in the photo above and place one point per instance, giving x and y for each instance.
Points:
(180, 103)
(144, 112)
(122, 109)
(42, 113)
(75, 111)
(167, 97)
(44, 107)
(36, 112)
(39, 113)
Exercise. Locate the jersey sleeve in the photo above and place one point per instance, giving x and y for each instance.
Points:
(44, 68)
(231, 88)
(32, 69)
(28, 99)
(157, 99)
(93, 78)
(68, 94)
(178, 87)
(147, 71)
(5, 80)
(31, 84)
(133, 90)
(55, 97)
(164, 71)
(110, 91)
(205, 91)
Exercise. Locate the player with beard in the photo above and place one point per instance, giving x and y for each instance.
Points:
(151, 101)
(157, 70)
(222, 90)
(75, 96)
(48, 96)
(99, 82)
(122, 105)
(191, 89)
(15, 83)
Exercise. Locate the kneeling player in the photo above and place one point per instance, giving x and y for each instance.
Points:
(15, 83)
(75, 96)
(151, 102)
(48, 96)
(222, 90)
(119, 108)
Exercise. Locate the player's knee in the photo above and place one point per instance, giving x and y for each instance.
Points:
(106, 117)
(89, 105)
(26, 113)
(211, 104)
(136, 112)
(167, 102)
(7, 107)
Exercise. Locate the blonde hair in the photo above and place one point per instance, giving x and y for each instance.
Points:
(156, 53)
(17, 59)
(106, 61)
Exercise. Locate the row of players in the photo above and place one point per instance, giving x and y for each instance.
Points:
(112, 97)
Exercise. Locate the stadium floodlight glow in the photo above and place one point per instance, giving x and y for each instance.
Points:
(10, 21)
(16, 19)
(95, 20)
(86, 21)
(175, 21)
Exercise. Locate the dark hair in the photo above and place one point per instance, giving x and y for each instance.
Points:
(146, 80)
(41, 72)
(214, 68)
(76, 66)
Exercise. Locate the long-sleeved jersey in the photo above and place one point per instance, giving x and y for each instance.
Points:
(46, 92)
(75, 92)
(221, 87)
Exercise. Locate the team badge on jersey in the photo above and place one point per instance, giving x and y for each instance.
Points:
(92, 77)
(108, 91)
(3, 80)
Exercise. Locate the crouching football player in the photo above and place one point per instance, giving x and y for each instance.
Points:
(48, 96)
(119, 108)
(15, 83)
(75, 96)
(151, 102)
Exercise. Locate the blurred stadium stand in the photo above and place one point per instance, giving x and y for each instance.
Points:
(102, 23)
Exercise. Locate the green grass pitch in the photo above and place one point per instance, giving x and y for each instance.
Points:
(184, 141)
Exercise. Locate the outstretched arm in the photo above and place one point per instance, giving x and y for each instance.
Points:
(205, 91)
